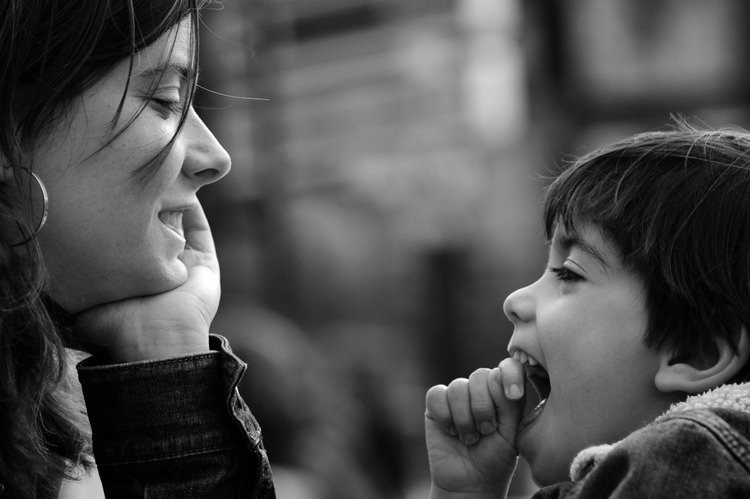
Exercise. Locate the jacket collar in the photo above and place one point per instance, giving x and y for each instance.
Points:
(730, 396)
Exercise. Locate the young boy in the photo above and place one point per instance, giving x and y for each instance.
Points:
(633, 342)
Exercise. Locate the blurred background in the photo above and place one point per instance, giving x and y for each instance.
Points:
(389, 159)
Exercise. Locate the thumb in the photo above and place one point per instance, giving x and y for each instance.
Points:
(199, 243)
(204, 284)
(509, 411)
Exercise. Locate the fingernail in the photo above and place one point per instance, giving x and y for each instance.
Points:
(486, 428)
(514, 392)
(469, 439)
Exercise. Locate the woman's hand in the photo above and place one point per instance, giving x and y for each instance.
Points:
(165, 325)
(471, 427)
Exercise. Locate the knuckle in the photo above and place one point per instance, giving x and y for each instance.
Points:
(508, 363)
(458, 384)
(480, 373)
(464, 424)
(511, 367)
(434, 394)
(482, 406)
(436, 406)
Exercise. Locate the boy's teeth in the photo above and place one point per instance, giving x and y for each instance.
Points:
(525, 358)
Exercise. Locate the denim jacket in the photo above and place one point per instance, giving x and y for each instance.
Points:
(699, 448)
(175, 428)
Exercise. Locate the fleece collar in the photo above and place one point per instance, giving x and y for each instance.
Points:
(731, 396)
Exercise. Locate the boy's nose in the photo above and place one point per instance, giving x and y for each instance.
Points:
(519, 306)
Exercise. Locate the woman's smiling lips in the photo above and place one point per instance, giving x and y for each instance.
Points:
(172, 218)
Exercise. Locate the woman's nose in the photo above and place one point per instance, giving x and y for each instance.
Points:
(519, 305)
(206, 161)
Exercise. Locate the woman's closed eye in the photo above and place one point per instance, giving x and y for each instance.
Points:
(565, 274)
(167, 105)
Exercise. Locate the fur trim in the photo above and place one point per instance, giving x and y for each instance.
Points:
(731, 396)
(587, 459)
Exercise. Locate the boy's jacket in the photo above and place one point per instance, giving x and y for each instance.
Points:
(698, 448)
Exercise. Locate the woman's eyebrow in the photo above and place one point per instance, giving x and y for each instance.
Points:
(184, 70)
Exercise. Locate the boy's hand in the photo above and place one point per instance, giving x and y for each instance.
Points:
(168, 324)
(470, 428)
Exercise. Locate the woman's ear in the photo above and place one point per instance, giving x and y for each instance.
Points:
(695, 376)
(6, 173)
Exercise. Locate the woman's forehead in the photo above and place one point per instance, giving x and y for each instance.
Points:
(172, 51)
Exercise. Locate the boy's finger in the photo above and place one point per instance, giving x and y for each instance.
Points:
(509, 412)
(482, 407)
(460, 406)
(436, 408)
(513, 378)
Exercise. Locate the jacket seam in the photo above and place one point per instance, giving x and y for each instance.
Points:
(170, 455)
(724, 433)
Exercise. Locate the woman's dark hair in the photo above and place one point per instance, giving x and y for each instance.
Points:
(677, 206)
(52, 52)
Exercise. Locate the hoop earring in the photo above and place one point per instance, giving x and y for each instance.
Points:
(45, 204)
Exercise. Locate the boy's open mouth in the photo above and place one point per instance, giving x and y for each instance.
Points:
(536, 397)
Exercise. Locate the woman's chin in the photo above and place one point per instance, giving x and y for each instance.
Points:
(166, 276)
(75, 295)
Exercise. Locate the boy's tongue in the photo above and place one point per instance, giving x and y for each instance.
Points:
(532, 409)
(536, 394)
(531, 400)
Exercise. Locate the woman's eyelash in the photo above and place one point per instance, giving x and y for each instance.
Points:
(168, 105)
(565, 274)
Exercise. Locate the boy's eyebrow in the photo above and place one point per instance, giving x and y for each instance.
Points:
(568, 241)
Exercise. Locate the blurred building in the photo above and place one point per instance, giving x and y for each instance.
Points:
(389, 158)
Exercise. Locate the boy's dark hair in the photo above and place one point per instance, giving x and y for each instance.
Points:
(677, 206)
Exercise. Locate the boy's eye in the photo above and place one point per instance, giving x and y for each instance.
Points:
(565, 274)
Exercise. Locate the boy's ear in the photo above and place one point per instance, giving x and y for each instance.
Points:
(698, 375)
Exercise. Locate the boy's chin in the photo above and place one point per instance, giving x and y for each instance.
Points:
(547, 465)
(545, 474)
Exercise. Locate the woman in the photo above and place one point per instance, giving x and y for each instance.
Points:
(99, 138)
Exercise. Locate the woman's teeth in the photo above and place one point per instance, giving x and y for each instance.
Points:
(173, 220)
